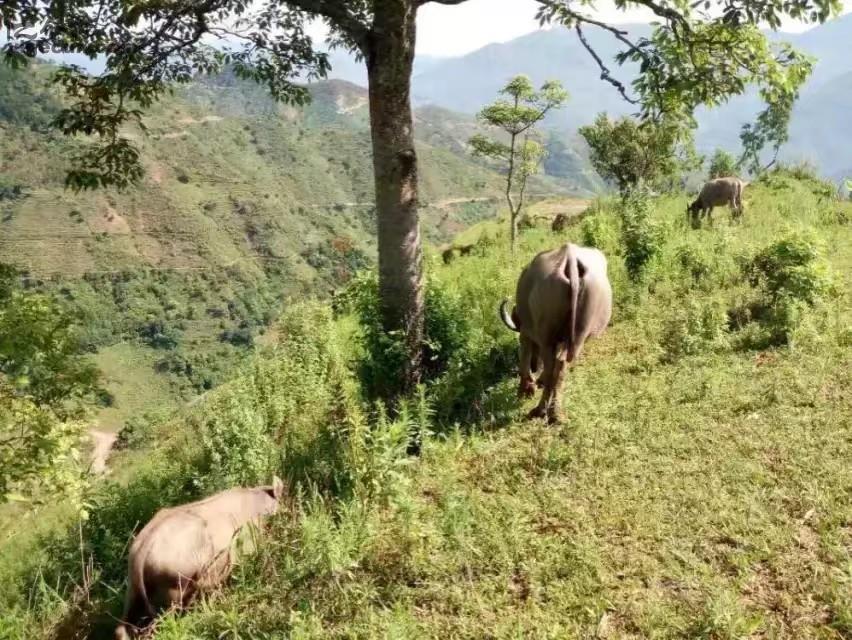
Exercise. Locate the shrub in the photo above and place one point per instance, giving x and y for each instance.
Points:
(598, 230)
(790, 278)
(38, 449)
(722, 164)
(238, 337)
(139, 430)
(159, 334)
(641, 238)
(446, 331)
(790, 268)
(236, 440)
(694, 262)
(694, 327)
(12, 191)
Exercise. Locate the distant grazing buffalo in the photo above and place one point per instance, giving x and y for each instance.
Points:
(717, 193)
(562, 298)
(559, 223)
(188, 549)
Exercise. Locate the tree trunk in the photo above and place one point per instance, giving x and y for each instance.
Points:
(390, 57)
(513, 214)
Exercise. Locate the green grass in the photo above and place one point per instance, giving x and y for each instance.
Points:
(129, 375)
(700, 492)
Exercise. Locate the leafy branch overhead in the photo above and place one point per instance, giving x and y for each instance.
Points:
(148, 47)
(704, 53)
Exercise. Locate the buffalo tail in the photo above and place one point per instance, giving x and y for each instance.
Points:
(572, 272)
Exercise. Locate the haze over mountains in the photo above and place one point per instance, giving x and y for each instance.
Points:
(468, 82)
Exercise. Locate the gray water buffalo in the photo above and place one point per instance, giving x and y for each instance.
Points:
(187, 550)
(718, 193)
(562, 298)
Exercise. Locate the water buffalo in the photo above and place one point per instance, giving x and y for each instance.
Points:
(560, 222)
(717, 193)
(563, 297)
(188, 549)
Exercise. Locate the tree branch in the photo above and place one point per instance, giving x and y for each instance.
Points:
(337, 13)
(420, 3)
(605, 73)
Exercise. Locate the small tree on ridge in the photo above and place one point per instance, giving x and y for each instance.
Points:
(517, 118)
(629, 153)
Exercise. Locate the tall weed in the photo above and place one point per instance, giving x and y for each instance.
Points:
(642, 237)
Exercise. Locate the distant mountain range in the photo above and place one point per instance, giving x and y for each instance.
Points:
(466, 83)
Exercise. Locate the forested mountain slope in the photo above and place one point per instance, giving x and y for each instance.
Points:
(244, 204)
(231, 178)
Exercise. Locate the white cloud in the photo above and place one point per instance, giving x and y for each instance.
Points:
(444, 30)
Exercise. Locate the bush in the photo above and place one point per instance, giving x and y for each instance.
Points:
(139, 431)
(790, 277)
(694, 262)
(598, 230)
(446, 331)
(39, 451)
(694, 327)
(159, 334)
(641, 238)
(722, 164)
(790, 268)
(238, 337)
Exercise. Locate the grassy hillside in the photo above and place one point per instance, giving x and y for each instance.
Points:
(699, 488)
(232, 178)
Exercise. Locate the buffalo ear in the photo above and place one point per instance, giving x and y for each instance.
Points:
(277, 488)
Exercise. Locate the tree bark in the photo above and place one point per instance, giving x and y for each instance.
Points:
(513, 223)
(390, 56)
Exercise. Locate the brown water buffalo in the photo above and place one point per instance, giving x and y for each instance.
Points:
(560, 222)
(562, 298)
(188, 549)
(717, 193)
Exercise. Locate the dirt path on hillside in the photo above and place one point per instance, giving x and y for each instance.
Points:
(102, 442)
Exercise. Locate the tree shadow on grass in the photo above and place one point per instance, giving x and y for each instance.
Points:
(480, 393)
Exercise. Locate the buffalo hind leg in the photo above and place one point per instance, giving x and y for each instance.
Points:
(549, 360)
(554, 409)
(736, 210)
(529, 357)
(136, 617)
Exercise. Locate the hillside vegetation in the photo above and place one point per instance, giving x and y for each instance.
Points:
(245, 203)
(700, 487)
